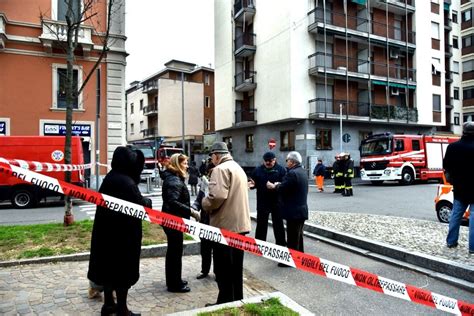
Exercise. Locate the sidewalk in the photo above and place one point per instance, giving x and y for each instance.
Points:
(61, 288)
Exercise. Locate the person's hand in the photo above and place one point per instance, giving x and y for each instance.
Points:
(270, 185)
(251, 184)
(196, 215)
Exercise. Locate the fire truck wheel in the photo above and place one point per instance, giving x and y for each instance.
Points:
(407, 176)
(23, 198)
(443, 210)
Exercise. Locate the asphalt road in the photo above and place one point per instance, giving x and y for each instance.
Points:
(392, 199)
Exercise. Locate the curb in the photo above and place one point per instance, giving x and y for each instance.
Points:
(152, 251)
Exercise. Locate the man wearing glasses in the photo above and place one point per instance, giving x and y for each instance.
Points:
(293, 191)
(267, 200)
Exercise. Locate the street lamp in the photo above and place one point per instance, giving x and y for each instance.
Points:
(340, 127)
(182, 112)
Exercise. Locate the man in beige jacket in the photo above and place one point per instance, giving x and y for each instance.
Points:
(228, 206)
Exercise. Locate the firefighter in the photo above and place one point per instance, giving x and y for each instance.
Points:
(348, 173)
(336, 174)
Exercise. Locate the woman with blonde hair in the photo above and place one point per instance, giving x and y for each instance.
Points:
(176, 202)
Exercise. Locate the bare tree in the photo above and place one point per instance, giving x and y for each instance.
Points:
(78, 12)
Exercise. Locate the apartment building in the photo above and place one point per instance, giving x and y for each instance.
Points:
(155, 106)
(33, 68)
(295, 72)
(466, 12)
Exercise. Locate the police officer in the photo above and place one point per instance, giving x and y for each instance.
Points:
(337, 175)
(348, 173)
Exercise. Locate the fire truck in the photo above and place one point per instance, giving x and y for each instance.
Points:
(404, 158)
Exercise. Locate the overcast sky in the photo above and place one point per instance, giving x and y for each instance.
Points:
(160, 30)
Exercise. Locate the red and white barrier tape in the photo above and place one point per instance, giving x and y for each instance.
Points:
(297, 259)
(44, 166)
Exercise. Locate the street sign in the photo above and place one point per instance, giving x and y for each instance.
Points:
(346, 138)
(271, 143)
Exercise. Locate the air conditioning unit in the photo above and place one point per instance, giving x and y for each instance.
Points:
(394, 53)
(394, 91)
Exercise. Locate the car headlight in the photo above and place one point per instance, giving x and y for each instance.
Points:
(362, 173)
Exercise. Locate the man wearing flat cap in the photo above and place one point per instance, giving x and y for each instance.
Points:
(228, 207)
(458, 164)
(267, 200)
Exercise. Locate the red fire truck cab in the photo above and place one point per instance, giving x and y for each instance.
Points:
(404, 158)
(48, 149)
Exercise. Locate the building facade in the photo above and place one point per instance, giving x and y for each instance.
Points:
(466, 12)
(155, 106)
(295, 72)
(33, 68)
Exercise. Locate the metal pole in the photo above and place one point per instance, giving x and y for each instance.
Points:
(97, 132)
(182, 112)
(340, 127)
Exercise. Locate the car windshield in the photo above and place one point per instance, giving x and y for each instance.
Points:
(377, 146)
(147, 152)
(171, 151)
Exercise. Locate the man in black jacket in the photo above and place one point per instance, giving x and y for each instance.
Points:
(459, 168)
(267, 200)
(293, 191)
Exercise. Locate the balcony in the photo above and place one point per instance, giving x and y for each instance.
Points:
(150, 132)
(56, 31)
(151, 109)
(244, 8)
(395, 6)
(335, 22)
(245, 81)
(3, 33)
(338, 66)
(361, 111)
(448, 50)
(448, 24)
(150, 86)
(245, 116)
(245, 45)
(449, 76)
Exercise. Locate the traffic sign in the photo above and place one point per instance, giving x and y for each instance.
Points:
(271, 143)
(346, 138)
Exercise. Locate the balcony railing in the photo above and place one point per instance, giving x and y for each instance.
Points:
(330, 108)
(338, 65)
(359, 24)
(150, 86)
(150, 109)
(244, 6)
(3, 35)
(245, 45)
(245, 81)
(245, 116)
(150, 132)
(57, 31)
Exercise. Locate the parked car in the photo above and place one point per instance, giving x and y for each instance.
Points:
(444, 203)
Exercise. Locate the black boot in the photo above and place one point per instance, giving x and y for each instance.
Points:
(350, 192)
(345, 192)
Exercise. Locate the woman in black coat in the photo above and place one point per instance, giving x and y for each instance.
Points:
(175, 196)
(116, 237)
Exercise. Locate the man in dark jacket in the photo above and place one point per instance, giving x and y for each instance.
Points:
(116, 237)
(267, 200)
(459, 167)
(337, 174)
(293, 191)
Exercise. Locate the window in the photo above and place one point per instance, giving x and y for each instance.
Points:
(467, 41)
(415, 144)
(141, 125)
(59, 87)
(435, 30)
(141, 104)
(466, 15)
(287, 140)
(468, 66)
(399, 145)
(457, 118)
(436, 103)
(132, 108)
(468, 93)
(132, 128)
(454, 16)
(207, 79)
(323, 139)
(228, 141)
(455, 67)
(363, 135)
(63, 8)
(456, 93)
(207, 102)
(455, 42)
(208, 124)
(249, 143)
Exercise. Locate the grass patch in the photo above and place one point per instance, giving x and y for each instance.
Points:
(42, 240)
(269, 307)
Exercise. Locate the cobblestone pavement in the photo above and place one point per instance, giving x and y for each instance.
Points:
(61, 289)
(425, 237)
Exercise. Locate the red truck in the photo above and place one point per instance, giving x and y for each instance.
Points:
(48, 149)
(404, 158)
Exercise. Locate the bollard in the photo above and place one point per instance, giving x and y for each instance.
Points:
(148, 184)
